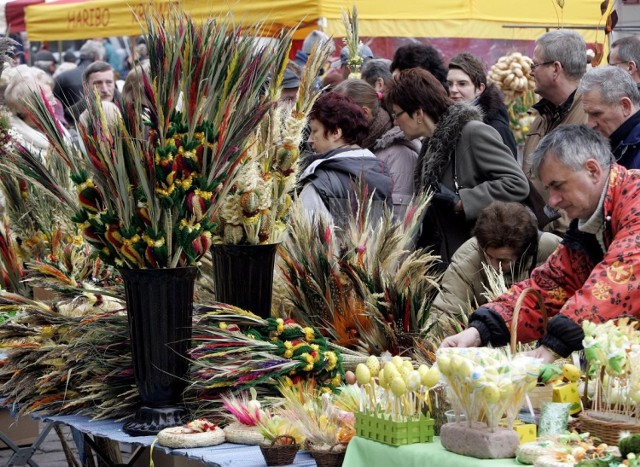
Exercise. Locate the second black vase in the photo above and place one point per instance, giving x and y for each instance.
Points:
(243, 276)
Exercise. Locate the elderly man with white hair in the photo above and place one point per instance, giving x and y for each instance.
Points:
(611, 100)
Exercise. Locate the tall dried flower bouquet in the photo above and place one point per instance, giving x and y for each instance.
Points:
(150, 180)
(257, 207)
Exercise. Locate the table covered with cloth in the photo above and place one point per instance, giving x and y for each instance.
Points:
(366, 453)
(226, 454)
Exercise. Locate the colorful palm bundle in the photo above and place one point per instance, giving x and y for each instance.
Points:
(149, 182)
(361, 285)
(11, 267)
(60, 364)
(256, 208)
(248, 352)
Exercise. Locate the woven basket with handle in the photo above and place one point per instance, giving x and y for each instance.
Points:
(606, 424)
(541, 394)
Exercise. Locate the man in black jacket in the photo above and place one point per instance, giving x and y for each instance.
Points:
(98, 75)
(69, 87)
(611, 101)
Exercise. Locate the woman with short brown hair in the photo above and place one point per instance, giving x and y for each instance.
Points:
(462, 161)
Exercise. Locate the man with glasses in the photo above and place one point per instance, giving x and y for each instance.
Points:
(625, 53)
(559, 62)
(593, 274)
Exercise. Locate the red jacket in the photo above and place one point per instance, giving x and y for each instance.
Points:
(578, 281)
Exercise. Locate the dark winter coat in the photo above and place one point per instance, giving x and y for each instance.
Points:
(625, 142)
(484, 171)
(547, 118)
(494, 114)
(328, 183)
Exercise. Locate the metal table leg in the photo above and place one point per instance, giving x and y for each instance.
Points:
(22, 455)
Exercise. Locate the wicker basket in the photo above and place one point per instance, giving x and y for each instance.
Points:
(607, 425)
(541, 394)
(280, 454)
(332, 457)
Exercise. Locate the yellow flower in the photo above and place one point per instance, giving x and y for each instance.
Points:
(158, 160)
(309, 333)
(166, 192)
(153, 243)
(332, 360)
(223, 325)
(309, 360)
(185, 225)
(289, 352)
(87, 184)
(336, 381)
(186, 183)
(204, 194)
(280, 327)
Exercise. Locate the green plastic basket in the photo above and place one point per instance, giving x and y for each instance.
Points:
(394, 433)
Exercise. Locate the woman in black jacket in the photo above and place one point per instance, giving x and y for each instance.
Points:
(467, 82)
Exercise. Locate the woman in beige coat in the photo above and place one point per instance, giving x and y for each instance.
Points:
(507, 239)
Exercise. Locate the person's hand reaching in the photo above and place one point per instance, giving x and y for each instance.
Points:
(468, 338)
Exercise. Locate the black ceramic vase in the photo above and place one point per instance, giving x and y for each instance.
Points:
(243, 276)
(159, 309)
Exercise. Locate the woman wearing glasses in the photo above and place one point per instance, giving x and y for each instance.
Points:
(506, 237)
(462, 161)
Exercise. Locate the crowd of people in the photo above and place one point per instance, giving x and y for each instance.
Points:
(411, 124)
(451, 136)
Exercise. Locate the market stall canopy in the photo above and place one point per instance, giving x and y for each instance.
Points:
(13, 12)
(100, 18)
(481, 19)
(478, 19)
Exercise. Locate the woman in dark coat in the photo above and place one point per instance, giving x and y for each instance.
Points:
(462, 160)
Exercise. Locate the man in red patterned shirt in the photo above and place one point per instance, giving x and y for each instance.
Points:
(593, 274)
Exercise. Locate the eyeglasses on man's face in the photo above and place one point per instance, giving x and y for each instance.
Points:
(535, 65)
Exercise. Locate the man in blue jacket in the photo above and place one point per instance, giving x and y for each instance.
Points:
(611, 100)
